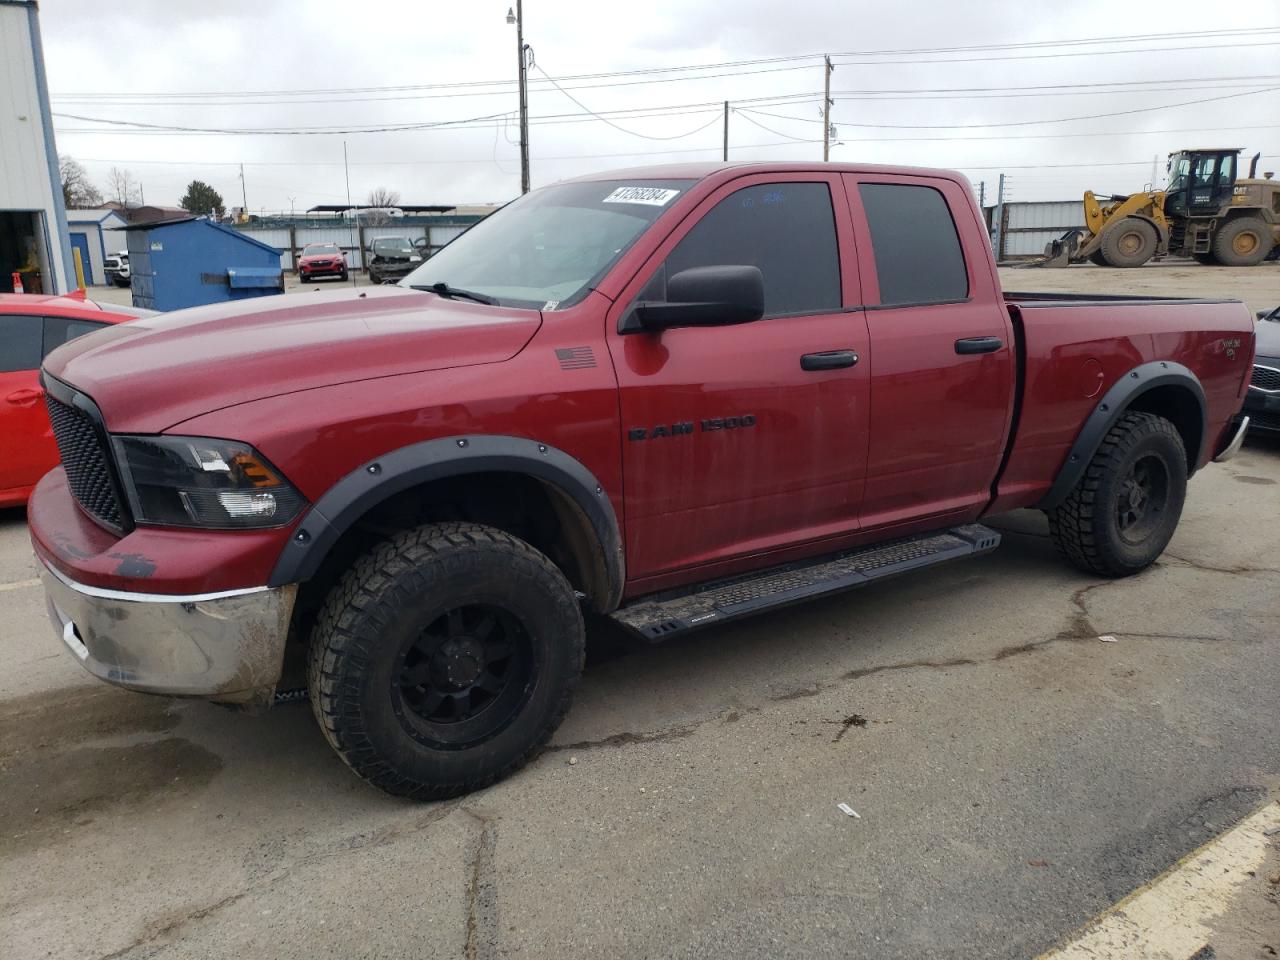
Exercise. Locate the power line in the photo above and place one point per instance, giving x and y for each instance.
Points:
(133, 126)
(603, 119)
(1039, 44)
(1138, 86)
(1032, 123)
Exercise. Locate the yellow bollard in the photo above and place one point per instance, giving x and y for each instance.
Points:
(75, 252)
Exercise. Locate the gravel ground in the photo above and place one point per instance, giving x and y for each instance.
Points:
(1014, 776)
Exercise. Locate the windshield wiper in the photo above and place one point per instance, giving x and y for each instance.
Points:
(457, 293)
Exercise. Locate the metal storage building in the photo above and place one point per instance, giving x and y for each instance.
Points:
(193, 261)
(33, 221)
(96, 233)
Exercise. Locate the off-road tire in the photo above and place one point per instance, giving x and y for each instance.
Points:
(342, 277)
(303, 278)
(385, 604)
(1129, 243)
(1086, 526)
(1242, 242)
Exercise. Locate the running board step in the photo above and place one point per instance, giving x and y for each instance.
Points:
(662, 615)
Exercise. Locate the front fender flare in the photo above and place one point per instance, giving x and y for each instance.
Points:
(1114, 403)
(371, 483)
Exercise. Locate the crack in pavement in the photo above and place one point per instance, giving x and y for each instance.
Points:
(482, 890)
(1080, 628)
(1211, 568)
(629, 739)
(155, 930)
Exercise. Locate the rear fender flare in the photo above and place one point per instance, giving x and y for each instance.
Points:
(1114, 403)
(371, 483)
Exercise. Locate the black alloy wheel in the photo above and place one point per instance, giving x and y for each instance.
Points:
(465, 677)
(1141, 498)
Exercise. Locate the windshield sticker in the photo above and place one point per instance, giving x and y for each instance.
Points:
(551, 305)
(649, 196)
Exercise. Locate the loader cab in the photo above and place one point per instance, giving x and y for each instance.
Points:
(1200, 181)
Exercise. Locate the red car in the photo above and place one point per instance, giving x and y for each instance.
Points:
(672, 396)
(321, 260)
(30, 326)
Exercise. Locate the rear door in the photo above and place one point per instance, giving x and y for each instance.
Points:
(23, 421)
(734, 443)
(942, 351)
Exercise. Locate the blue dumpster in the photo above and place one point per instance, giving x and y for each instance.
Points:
(191, 261)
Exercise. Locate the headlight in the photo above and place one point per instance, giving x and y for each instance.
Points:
(195, 481)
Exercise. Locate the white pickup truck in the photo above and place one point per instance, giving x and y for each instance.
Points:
(116, 268)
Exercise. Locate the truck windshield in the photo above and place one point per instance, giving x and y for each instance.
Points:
(549, 247)
(392, 248)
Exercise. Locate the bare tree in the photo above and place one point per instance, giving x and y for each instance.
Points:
(380, 198)
(122, 188)
(78, 191)
(383, 197)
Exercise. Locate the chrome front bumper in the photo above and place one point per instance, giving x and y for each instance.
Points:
(226, 646)
(1232, 448)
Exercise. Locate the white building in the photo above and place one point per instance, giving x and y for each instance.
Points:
(33, 222)
(97, 234)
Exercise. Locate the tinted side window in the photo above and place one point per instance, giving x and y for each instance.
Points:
(60, 330)
(19, 343)
(917, 249)
(788, 230)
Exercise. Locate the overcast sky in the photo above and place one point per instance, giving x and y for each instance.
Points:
(123, 62)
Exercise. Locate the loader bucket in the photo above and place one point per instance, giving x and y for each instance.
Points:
(1058, 253)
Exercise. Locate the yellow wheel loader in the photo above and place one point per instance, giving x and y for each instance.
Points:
(1204, 212)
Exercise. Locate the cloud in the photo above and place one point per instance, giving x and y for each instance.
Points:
(238, 45)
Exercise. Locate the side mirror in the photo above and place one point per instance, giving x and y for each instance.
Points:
(1269, 314)
(703, 297)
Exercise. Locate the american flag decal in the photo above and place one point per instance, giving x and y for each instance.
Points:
(575, 358)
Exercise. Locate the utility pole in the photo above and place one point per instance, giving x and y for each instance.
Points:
(522, 55)
(726, 130)
(997, 222)
(1155, 166)
(244, 199)
(357, 241)
(827, 70)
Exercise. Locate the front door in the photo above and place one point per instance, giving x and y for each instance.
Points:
(24, 423)
(943, 356)
(740, 439)
(81, 242)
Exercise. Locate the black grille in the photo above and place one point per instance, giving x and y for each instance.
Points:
(85, 460)
(1265, 378)
(1264, 421)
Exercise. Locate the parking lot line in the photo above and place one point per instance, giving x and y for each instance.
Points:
(20, 584)
(1170, 918)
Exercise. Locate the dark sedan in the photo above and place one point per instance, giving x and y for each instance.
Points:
(1262, 405)
(392, 259)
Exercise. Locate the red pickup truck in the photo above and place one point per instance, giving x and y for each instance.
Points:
(673, 396)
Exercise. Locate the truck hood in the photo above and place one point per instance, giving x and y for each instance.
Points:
(149, 374)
